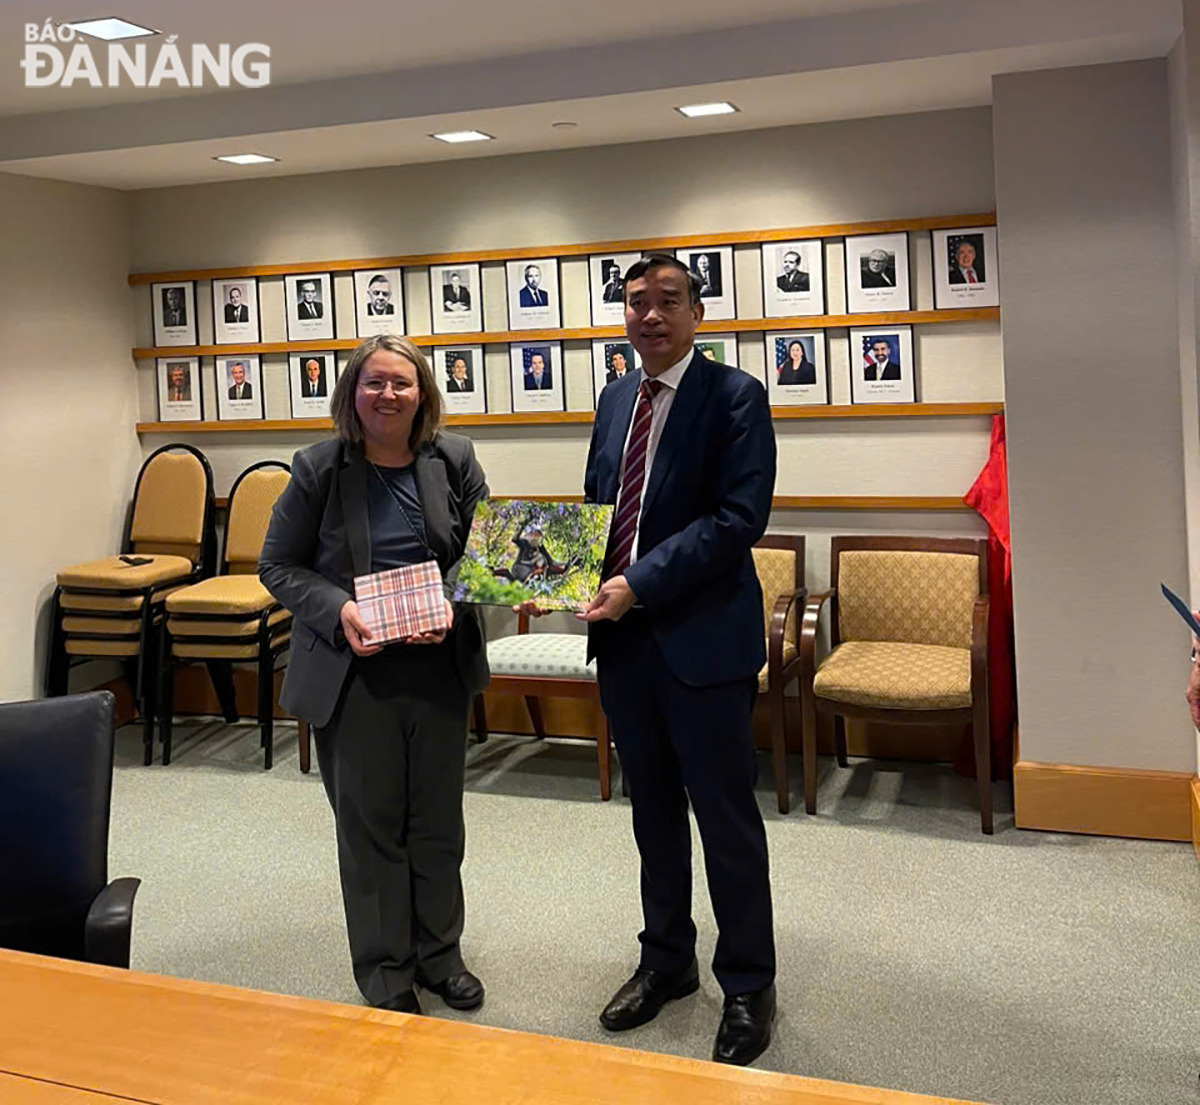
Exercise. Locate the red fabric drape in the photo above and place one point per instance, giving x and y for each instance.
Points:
(989, 496)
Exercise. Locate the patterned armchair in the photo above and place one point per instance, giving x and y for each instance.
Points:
(779, 564)
(908, 645)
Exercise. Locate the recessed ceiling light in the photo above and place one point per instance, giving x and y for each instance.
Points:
(463, 136)
(246, 158)
(111, 29)
(696, 111)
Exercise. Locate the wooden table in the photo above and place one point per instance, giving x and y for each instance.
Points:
(74, 1034)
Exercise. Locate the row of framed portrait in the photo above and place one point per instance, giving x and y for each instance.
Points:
(797, 374)
(877, 279)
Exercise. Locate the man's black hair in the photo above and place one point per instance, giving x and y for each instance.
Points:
(664, 260)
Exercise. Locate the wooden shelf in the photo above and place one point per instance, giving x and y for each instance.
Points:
(580, 418)
(785, 502)
(586, 333)
(577, 249)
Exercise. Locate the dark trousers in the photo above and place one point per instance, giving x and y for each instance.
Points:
(392, 760)
(678, 743)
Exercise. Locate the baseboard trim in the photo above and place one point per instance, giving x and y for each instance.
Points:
(1106, 801)
(1195, 789)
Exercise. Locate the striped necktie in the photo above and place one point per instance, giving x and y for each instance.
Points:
(624, 528)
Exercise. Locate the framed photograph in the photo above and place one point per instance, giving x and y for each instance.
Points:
(239, 387)
(719, 347)
(797, 373)
(881, 365)
(966, 271)
(312, 377)
(460, 375)
(793, 278)
(378, 302)
(606, 275)
(877, 273)
(179, 391)
(533, 300)
(519, 550)
(713, 266)
(456, 296)
(174, 312)
(612, 358)
(309, 304)
(537, 376)
(235, 310)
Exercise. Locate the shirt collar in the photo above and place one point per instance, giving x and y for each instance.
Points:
(672, 376)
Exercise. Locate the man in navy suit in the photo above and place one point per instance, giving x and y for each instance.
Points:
(533, 295)
(537, 375)
(686, 450)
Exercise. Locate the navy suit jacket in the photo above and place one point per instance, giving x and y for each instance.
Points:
(704, 505)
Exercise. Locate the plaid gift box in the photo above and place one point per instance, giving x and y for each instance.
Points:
(402, 602)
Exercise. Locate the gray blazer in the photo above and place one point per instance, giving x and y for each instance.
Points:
(320, 539)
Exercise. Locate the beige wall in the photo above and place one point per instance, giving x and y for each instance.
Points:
(68, 452)
(1092, 385)
(791, 177)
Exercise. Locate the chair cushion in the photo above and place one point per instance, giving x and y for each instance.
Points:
(790, 652)
(81, 602)
(221, 595)
(550, 655)
(172, 495)
(250, 513)
(922, 598)
(776, 571)
(85, 646)
(102, 627)
(110, 574)
(223, 627)
(896, 676)
(227, 652)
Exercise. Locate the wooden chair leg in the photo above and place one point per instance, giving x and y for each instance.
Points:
(603, 751)
(808, 711)
(981, 725)
(481, 722)
(779, 746)
(839, 740)
(305, 737)
(535, 715)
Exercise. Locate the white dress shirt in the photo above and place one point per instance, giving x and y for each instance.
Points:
(660, 407)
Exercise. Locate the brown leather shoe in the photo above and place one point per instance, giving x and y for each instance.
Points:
(640, 999)
(745, 1030)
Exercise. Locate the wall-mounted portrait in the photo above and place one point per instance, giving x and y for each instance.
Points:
(239, 387)
(881, 365)
(179, 391)
(713, 268)
(966, 272)
(378, 302)
(722, 348)
(793, 278)
(311, 377)
(461, 378)
(456, 297)
(606, 275)
(174, 307)
(612, 360)
(235, 310)
(796, 368)
(533, 298)
(308, 300)
(877, 273)
(537, 376)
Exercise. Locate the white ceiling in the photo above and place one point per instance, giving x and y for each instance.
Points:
(341, 99)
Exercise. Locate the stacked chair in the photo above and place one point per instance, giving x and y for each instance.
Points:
(113, 608)
(231, 618)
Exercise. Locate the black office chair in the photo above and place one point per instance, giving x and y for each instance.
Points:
(56, 767)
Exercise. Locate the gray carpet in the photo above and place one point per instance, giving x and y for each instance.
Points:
(914, 953)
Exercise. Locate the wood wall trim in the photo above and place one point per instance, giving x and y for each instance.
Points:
(1195, 804)
(578, 249)
(582, 418)
(585, 333)
(1103, 801)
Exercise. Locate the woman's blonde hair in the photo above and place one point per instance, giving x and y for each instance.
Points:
(428, 419)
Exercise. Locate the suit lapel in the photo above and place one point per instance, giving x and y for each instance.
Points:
(352, 487)
(686, 405)
(434, 492)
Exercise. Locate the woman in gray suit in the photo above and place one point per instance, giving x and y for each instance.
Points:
(390, 722)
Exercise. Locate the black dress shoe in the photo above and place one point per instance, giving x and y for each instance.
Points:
(640, 999)
(745, 1028)
(460, 991)
(402, 1003)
